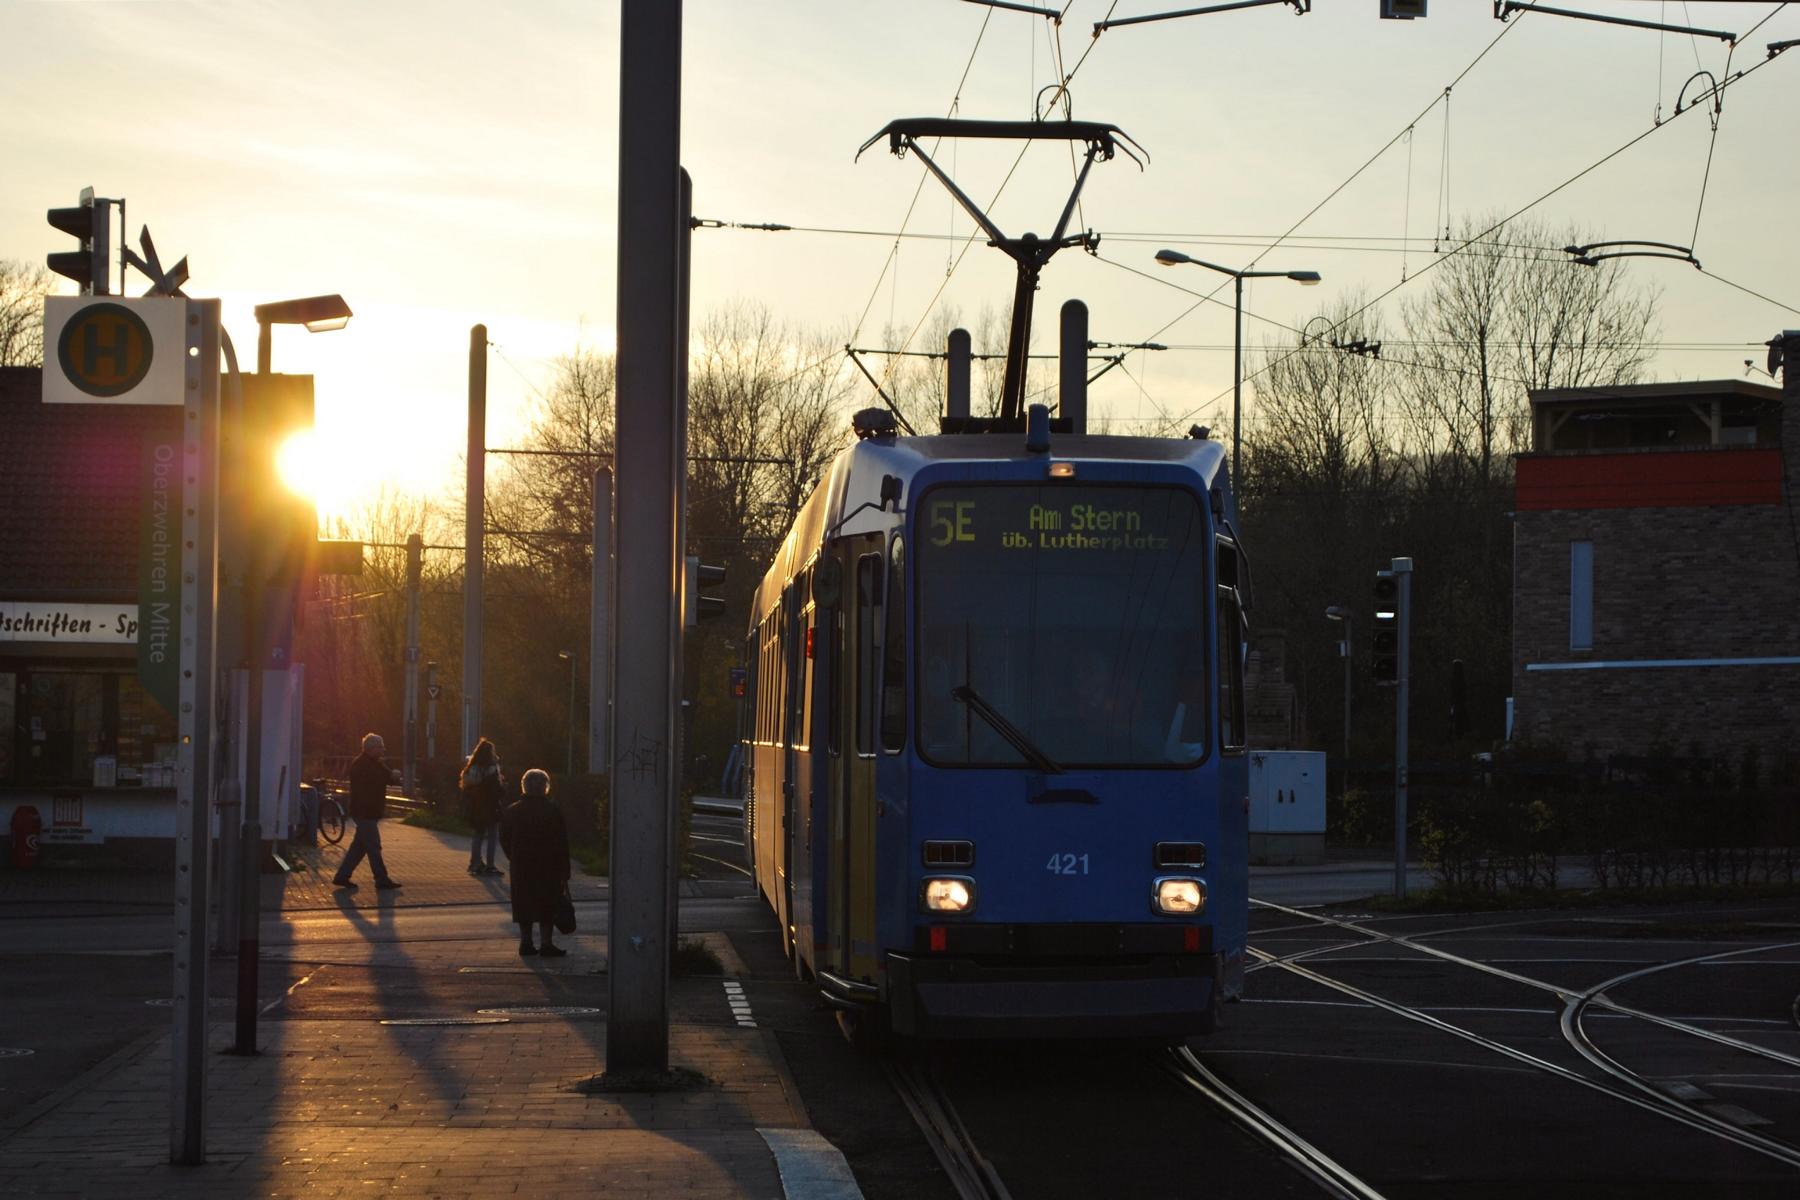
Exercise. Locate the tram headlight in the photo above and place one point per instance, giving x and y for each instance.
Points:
(954, 894)
(1180, 897)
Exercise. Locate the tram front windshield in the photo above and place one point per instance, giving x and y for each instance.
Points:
(1075, 614)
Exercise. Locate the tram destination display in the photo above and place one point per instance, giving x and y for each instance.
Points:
(1059, 519)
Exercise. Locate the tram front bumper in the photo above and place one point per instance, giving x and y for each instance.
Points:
(1162, 996)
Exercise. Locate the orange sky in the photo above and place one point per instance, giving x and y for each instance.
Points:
(452, 163)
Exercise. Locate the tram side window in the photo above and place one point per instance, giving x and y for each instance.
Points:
(1231, 671)
(893, 670)
(752, 685)
(834, 707)
(808, 664)
(868, 611)
(793, 661)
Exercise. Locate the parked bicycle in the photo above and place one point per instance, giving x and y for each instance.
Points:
(331, 813)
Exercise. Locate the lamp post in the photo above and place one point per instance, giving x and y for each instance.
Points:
(1337, 612)
(569, 766)
(317, 313)
(1169, 258)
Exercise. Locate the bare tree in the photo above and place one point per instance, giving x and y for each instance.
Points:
(1507, 315)
(1354, 460)
(543, 501)
(23, 286)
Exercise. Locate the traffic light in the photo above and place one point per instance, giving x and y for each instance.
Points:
(90, 222)
(694, 576)
(1384, 643)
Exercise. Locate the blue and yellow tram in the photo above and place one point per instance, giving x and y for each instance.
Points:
(994, 732)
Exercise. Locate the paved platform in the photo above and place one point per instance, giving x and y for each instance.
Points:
(432, 866)
(475, 1106)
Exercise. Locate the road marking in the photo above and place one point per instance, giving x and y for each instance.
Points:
(740, 1005)
(811, 1168)
(15, 1052)
(446, 1021)
(539, 1010)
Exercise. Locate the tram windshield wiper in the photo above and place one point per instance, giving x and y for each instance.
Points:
(1014, 736)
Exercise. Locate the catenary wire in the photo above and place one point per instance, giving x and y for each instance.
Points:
(1723, 84)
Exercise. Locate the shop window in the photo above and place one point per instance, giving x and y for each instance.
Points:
(9, 706)
(68, 727)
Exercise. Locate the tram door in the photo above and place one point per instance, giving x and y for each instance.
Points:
(852, 808)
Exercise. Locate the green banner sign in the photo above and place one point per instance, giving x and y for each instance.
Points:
(159, 571)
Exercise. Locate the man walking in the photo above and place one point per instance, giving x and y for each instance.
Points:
(368, 804)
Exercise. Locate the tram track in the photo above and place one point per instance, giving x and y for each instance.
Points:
(1594, 996)
(1312, 1162)
(912, 1077)
(1630, 1088)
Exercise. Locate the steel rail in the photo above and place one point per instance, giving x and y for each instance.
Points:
(1661, 1104)
(1589, 996)
(1312, 1162)
(722, 862)
(970, 1174)
(1596, 996)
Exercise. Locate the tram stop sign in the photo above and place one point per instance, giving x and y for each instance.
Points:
(114, 350)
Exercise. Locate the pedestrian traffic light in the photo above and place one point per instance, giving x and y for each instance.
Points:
(90, 222)
(1384, 643)
(696, 607)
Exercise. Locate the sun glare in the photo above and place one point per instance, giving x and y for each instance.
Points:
(301, 465)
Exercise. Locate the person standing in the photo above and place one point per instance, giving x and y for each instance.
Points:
(485, 798)
(537, 849)
(369, 778)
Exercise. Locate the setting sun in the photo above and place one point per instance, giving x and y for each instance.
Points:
(301, 465)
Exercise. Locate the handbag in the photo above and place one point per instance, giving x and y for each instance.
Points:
(565, 912)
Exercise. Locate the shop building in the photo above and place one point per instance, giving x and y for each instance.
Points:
(88, 499)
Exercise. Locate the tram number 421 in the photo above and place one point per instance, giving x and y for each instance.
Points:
(1067, 864)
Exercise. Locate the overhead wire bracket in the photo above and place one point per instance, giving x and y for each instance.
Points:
(1584, 256)
(1506, 8)
(1300, 7)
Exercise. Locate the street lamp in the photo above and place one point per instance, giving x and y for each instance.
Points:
(569, 766)
(1169, 258)
(317, 313)
(1338, 612)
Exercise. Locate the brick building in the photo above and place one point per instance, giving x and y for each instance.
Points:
(1656, 573)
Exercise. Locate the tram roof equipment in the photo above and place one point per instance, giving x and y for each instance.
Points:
(1028, 250)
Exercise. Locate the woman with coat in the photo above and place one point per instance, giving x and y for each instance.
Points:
(537, 847)
(484, 796)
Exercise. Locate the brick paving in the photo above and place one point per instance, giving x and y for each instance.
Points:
(433, 866)
(336, 1108)
(354, 1107)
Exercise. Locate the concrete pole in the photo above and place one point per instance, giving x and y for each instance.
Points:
(960, 353)
(1402, 568)
(431, 695)
(1072, 362)
(474, 518)
(678, 666)
(600, 633)
(195, 723)
(1237, 381)
(1349, 657)
(415, 555)
(647, 499)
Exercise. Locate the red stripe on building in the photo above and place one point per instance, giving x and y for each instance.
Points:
(1662, 479)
